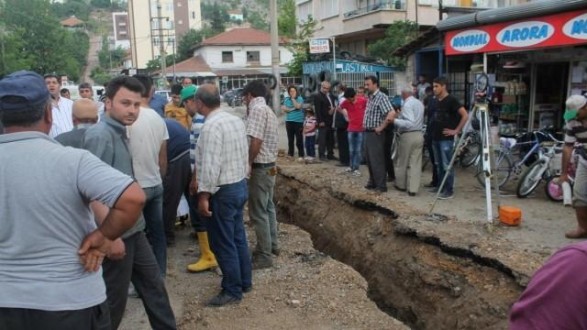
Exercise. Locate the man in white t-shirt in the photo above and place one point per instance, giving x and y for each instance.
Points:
(61, 107)
(148, 147)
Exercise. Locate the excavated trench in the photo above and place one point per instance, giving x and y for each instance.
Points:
(415, 277)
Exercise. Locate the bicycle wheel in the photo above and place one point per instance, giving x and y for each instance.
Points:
(530, 179)
(553, 189)
(470, 152)
(503, 169)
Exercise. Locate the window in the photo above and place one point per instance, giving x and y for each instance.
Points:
(328, 8)
(180, 22)
(193, 14)
(170, 41)
(253, 57)
(304, 10)
(424, 2)
(155, 41)
(227, 57)
(179, 4)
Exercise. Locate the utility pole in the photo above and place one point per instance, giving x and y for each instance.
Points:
(162, 44)
(275, 55)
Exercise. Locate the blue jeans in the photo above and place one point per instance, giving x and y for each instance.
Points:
(155, 227)
(355, 149)
(228, 238)
(443, 150)
(310, 145)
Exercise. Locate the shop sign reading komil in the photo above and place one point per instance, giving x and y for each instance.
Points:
(562, 29)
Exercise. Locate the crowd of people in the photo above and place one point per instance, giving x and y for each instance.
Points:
(117, 170)
(362, 123)
(116, 178)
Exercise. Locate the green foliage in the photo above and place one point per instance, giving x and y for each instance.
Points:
(217, 15)
(78, 8)
(110, 58)
(100, 76)
(189, 40)
(398, 34)
(155, 64)
(101, 3)
(287, 18)
(34, 40)
(258, 20)
(300, 47)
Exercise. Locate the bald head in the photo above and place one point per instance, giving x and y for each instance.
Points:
(85, 111)
(209, 96)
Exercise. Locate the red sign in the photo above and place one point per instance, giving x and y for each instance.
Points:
(556, 30)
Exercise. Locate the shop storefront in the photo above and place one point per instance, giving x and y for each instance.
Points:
(534, 63)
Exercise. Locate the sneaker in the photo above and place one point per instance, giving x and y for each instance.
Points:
(355, 173)
(348, 170)
(433, 190)
(223, 299)
(446, 196)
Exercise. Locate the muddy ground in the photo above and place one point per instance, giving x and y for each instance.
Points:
(453, 273)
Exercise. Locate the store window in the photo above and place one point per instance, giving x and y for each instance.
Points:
(227, 57)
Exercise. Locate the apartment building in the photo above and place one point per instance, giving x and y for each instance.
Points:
(160, 23)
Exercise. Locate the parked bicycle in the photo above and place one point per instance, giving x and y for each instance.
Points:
(525, 146)
(542, 169)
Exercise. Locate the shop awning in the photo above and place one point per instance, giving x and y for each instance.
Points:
(510, 13)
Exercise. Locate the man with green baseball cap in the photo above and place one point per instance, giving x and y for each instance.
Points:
(207, 259)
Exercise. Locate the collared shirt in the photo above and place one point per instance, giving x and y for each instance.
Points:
(180, 114)
(41, 231)
(61, 114)
(576, 132)
(262, 125)
(222, 152)
(108, 141)
(295, 115)
(411, 118)
(146, 136)
(378, 106)
(197, 123)
(73, 138)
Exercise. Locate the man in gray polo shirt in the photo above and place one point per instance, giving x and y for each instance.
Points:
(50, 248)
(108, 140)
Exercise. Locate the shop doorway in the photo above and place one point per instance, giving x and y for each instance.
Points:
(550, 90)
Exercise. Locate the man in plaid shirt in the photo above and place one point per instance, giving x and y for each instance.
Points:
(221, 168)
(263, 136)
(378, 106)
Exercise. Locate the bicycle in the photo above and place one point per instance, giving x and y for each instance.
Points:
(540, 170)
(504, 165)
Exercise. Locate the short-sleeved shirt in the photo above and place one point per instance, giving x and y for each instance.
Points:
(310, 126)
(179, 140)
(446, 116)
(61, 114)
(356, 113)
(44, 216)
(180, 114)
(262, 125)
(378, 106)
(556, 297)
(576, 132)
(296, 115)
(197, 123)
(145, 136)
(107, 140)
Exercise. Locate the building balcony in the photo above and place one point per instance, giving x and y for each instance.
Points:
(377, 7)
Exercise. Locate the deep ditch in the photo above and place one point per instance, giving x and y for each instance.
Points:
(418, 280)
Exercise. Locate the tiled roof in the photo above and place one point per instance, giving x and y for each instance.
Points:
(240, 36)
(72, 21)
(191, 66)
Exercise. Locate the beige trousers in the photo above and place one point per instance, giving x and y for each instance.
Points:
(408, 165)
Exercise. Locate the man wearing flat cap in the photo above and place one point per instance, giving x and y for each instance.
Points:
(51, 249)
(84, 115)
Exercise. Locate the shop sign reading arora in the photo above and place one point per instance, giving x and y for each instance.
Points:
(561, 29)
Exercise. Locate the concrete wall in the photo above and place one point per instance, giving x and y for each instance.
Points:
(213, 56)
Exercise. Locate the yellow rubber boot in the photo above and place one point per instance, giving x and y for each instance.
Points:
(207, 258)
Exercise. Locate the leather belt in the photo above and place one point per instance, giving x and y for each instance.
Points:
(263, 165)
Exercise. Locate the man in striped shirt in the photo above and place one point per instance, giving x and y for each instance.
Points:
(576, 137)
(61, 107)
(207, 259)
(221, 167)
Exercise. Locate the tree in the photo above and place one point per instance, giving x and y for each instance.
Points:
(397, 34)
(42, 43)
(258, 20)
(218, 18)
(155, 64)
(300, 46)
(189, 40)
(287, 18)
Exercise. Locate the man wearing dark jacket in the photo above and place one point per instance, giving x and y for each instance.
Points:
(324, 105)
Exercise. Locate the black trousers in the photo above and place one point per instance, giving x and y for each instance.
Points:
(325, 142)
(374, 145)
(389, 135)
(175, 184)
(295, 132)
(92, 318)
(140, 267)
(342, 139)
